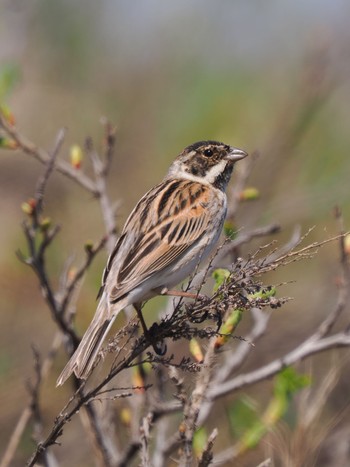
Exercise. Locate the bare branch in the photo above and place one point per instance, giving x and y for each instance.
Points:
(207, 455)
(110, 133)
(91, 252)
(306, 349)
(42, 156)
(42, 182)
(193, 404)
(145, 439)
(232, 362)
(197, 386)
(27, 411)
(101, 170)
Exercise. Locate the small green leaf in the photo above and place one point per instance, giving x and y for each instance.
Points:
(196, 350)
(230, 230)
(146, 368)
(199, 441)
(8, 143)
(347, 244)
(76, 156)
(289, 381)
(249, 194)
(9, 77)
(220, 275)
(6, 112)
(264, 293)
(88, 246)
(45, 224)
(228, 327)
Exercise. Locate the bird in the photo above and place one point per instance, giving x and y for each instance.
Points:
(173, 227)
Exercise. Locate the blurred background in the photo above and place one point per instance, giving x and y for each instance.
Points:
(269, 76)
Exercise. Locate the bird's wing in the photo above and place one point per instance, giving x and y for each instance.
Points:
(168, 221)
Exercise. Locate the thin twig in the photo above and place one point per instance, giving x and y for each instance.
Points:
(207, 454)
(42, 156)
(110, 133)
(43, 180)
(244, 171)
(69, 288)
(27, 411)
(101, 170)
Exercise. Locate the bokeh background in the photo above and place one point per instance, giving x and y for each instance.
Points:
(269, 76)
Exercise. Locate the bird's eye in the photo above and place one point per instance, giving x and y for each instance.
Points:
(208, 152)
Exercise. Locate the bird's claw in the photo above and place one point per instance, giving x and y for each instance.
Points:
(200, 318)
(159, 346)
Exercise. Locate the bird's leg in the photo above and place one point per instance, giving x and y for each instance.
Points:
(140, 316)
(180, 293)
(159, 347)
(194, 296)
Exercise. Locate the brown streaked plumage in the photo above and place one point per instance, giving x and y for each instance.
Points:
(173, 227)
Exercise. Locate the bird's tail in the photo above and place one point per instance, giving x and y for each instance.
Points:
(83, 359)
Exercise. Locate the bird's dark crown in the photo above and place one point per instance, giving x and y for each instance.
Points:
(204, 144)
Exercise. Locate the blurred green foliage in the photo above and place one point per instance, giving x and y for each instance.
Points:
(199, 441)
(9, 76)
(246, 421)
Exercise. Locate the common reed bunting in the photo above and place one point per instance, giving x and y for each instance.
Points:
(173, 226)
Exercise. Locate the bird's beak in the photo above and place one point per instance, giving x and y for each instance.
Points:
(236, 154)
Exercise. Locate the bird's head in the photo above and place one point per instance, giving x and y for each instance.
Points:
(209, 162)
